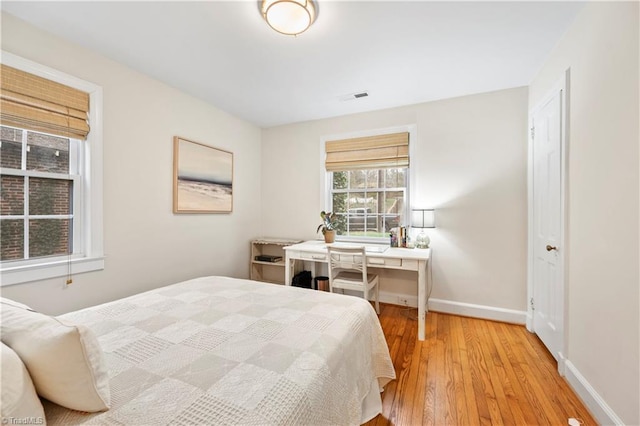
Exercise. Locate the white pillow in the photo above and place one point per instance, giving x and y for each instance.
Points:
(65, 361)
(13, 303)
(18, 399)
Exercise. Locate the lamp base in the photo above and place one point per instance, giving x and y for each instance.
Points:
(422, 240)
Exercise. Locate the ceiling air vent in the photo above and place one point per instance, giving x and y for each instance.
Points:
(352, 96)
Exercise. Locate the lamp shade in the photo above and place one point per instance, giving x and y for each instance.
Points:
(423, 218)
(290, 17)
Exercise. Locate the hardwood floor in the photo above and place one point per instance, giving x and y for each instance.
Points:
(470, 372)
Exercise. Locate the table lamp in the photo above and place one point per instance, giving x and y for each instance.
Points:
(423, 218)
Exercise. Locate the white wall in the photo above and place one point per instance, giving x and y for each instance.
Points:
(470, 165)
(601, 49)
(146, 245)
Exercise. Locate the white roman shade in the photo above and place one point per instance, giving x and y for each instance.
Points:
(369, 152)
(31, 102)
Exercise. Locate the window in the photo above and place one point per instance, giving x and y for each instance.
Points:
(368, 182)
(50, 173)
(40, 185)
(368, 202)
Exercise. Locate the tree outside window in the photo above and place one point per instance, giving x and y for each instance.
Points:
(369, 203)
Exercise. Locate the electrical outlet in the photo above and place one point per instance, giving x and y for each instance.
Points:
(403, 301)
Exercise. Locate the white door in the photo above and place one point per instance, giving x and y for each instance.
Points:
(548, 284)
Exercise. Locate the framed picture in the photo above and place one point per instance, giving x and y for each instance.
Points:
(202, 178)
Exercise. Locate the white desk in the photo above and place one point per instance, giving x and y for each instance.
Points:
(392, 258)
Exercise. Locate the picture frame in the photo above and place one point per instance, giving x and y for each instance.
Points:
(202, 178)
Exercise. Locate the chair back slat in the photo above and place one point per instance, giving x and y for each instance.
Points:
(347, 259)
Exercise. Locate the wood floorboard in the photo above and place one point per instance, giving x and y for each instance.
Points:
(530, 403)
(479, 379)
(522, 414)
(429, 407)
(471, 372)
(459, 397)
(500, 407)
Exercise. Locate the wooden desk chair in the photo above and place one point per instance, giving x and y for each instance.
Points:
(348, 271)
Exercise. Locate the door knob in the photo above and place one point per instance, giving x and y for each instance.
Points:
(549, 248)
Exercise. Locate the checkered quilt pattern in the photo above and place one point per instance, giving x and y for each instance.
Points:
(218, 350)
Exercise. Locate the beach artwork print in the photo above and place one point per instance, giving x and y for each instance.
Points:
(202, 178)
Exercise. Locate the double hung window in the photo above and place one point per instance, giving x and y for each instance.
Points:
(368, 182)
(50, 173)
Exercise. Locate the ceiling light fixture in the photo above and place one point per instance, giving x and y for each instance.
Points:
(290, 17)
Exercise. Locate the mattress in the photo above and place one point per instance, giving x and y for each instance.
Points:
(218, 350)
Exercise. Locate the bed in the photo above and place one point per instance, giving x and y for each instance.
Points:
(218, 350)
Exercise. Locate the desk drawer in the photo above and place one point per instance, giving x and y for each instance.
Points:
(394, 263)
(382, 262)
(318, 257)
(410, 264)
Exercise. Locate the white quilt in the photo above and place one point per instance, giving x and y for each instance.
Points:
(219, 351)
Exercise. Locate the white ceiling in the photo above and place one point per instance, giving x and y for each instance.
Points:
(400, 52)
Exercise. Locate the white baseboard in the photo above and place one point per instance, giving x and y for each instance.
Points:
(562, 364)
(529, 322)
(478, 311)
(591, 399)
(459, 308)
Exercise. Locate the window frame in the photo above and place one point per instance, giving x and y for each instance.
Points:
(88, 243)
(326, 177)
(75, 175)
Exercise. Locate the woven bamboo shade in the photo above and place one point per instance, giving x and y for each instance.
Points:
(370, 152)
(35, 103)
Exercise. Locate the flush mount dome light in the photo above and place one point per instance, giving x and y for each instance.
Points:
(290, 17)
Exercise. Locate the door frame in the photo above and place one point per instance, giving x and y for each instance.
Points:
(561, 86)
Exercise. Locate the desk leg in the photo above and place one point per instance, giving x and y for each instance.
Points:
(287, 269)
(422, 298)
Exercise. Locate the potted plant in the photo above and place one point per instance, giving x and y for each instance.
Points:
(327, 226)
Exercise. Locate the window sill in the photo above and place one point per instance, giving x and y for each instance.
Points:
(47, 270)
(363, 240)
